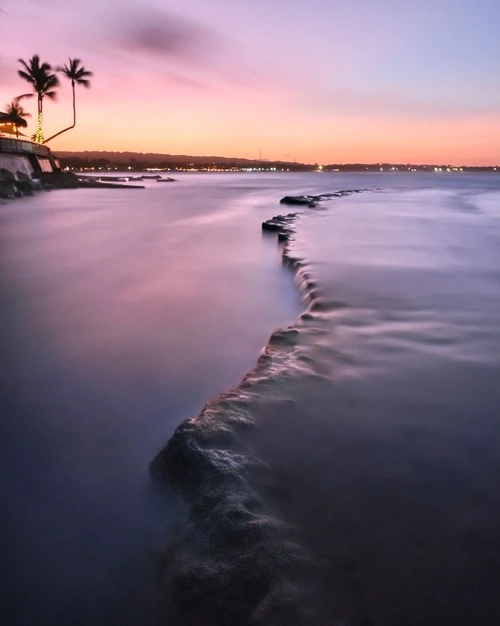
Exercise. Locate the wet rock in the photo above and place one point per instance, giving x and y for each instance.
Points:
(8, 187)
(280, 225)
(25, 184)
(87, 183)
(300, 200)
(284, 236)
(7, 190)
(59, 180)
(5, 175)
(272, 226)
(311, 201)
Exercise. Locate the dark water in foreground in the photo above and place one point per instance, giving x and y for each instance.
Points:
(353, 476)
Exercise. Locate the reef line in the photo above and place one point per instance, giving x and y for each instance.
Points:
(233, 561)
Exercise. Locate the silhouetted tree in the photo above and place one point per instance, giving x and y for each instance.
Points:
(78, 75)
(44, 83)
(17, 115)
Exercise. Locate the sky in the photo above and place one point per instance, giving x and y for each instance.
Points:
(317, 81)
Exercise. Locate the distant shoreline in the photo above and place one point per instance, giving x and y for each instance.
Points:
(136, 161)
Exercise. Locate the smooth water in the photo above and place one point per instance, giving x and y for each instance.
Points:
(122, 313)
(389, 443)
(352, 477)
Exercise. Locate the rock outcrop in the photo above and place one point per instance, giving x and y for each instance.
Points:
(16, 185)
(281, 225)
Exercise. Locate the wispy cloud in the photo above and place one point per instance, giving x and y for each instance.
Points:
(176, 49)
(160, 33)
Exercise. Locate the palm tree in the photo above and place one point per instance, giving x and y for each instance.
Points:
(44, 83)
(78, 75)
(17, 115)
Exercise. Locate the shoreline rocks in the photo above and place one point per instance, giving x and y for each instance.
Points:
(280, 225)
(311, 201)
(21, 184)
(299, 200)
(16, 185)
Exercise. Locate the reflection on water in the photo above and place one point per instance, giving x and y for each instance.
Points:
(124, 311)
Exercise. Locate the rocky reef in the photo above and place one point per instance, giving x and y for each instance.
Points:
(233, 560)
(19, 184)
(281, 225)
(16, 185)
(312, 201)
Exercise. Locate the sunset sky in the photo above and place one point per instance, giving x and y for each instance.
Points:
(313, 80)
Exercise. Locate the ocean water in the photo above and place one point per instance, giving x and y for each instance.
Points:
(348, 474)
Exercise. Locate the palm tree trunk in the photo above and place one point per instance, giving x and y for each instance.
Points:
(74, 104)
(74, 117)
(39, 131)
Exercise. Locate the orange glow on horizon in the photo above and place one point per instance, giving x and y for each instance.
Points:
(242, 122)
(192, 81)
(286, 135)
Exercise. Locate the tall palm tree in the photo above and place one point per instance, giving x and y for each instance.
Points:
(40, 77)
(17, 115)
(78, 75)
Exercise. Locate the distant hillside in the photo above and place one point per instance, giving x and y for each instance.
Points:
(152, 158)
(142, 160)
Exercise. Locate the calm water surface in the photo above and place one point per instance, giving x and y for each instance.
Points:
(397, 421)
(123, 312)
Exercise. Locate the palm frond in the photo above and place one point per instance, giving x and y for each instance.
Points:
(38, 75)
(23, 62)
(16, 114)
(52, 81)
(83, 73)
(76, 72)
(23, 96)
(26, 76)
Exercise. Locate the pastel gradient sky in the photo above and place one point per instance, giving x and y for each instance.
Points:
(312, 80)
